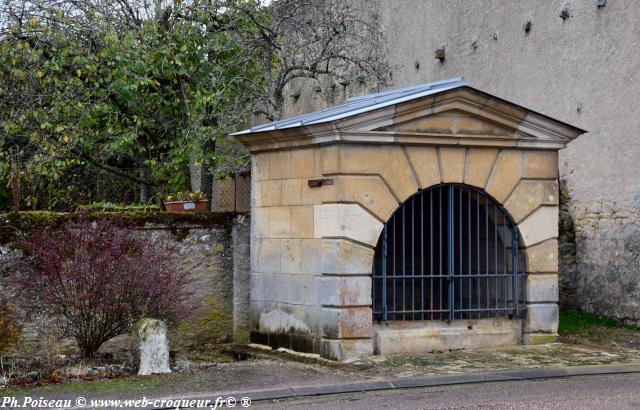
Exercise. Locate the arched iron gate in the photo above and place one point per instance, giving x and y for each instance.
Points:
(449, 252)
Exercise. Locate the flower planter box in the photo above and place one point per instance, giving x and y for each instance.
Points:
(187, 206)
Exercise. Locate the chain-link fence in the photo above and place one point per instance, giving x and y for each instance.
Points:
(232, 194)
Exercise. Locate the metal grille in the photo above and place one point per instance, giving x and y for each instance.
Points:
(449, 252)
(232, 194)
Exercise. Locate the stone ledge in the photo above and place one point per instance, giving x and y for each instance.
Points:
(344, 349)
(15, 222)
(429, 336)
(540, 338)
(299, 343)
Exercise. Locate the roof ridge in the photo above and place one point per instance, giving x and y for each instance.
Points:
(361, 104)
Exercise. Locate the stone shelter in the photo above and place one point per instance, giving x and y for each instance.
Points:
(412, 220)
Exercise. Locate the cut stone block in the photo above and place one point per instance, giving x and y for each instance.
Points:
(269, 193)
(345, 349)
(506, 174)
(302, 221)
(267, 255)
(541, 164)
(397, 173)
(346, 323)
(371, 192)
(344, 291)
(303, 289)
(302, 163)
(329, 159)
(543, 257)
(311, 256)
(541, 225)
(343, 257)
(279, 222)
(260, 222)
(479, 164)
(270, 287)
(281, 319)
(430, 336)
(452, 164)
(346, 221)
(260, 166)
(542, 288)
(291, 192)
(425, 163)
(279, 164)
(291, 256)
(359, 159)
(529, 195)
(542, 317)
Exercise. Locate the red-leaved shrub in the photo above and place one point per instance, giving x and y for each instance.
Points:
(95, 278)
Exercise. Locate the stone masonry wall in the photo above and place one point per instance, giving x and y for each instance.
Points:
(582, 69)
(313, 247)
(211, 251)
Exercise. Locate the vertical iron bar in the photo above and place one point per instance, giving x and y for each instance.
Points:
(469, 254)
(384, 273)
(495, 250)
(422, 253)
(374, 277)
(393, 259)
(431, 252)
(440, 251)
(478, 250)
(413, 253)
(524, 280)
(486, 260)
(460, 269)
(404, 269)
(514, 256)
(450, 251)
(505, 260)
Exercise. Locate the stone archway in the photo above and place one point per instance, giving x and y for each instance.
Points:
(449, 252)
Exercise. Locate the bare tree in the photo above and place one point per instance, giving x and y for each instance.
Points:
(312, 39)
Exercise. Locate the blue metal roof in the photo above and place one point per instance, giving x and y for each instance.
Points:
(359, 105)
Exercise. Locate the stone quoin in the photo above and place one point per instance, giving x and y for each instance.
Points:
(325, 185)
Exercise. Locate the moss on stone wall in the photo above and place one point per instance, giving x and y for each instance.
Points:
(13, 224)
(567, 250)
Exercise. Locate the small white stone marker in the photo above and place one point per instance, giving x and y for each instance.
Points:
(152, 345)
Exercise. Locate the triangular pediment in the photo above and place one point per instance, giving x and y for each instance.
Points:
(444, 113)
(465, 115)
(451, 122)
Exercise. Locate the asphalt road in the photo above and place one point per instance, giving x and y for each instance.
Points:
(621, 391)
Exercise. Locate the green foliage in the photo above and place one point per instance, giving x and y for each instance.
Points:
(111, 101)
(82, 95)
(111, 207)
(575, 321)
(185, 196)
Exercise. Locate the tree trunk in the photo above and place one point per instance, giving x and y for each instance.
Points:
(200, 175)
(145, 189)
